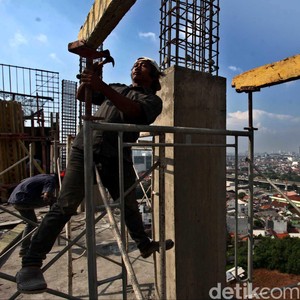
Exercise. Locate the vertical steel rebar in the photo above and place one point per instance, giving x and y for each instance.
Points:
(189, 34)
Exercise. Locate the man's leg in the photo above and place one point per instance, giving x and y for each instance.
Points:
(133, 218)
(30, 278)
(30, 215)
(109, 173)
(110, 178)
(45, 237)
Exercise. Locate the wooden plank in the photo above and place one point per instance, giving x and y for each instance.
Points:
(11, 237)
(103, 17)
(10, 151)
(10, 223)
(282, 71)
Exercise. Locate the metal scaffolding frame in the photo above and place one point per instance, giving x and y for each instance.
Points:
(189, 34)
(92, 220)
(68, 117)
(36, 89)
(161, 131)
(39, 93)
(88, 128)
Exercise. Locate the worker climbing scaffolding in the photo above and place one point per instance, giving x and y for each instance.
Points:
(103, 17)
(118, 103)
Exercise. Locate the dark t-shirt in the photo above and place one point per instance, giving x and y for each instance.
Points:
(30, 190)
(105, 143)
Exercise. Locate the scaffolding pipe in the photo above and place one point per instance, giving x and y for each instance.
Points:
(236, 155)
(165, 129)
(88, 184)
(14, 165)
(142, 188)
(34, 161)
(162, 233)
(90, 219)
(120, 241)
(250, 182)
(275, 187)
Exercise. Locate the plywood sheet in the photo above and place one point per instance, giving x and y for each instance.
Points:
(11, 125)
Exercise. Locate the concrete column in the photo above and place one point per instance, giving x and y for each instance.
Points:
(195, 185)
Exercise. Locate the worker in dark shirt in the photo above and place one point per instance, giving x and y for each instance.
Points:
(118, 103)
(31, 193)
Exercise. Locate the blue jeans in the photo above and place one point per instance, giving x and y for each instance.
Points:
(72, 194)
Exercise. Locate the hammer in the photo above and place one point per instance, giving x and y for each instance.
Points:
(82, 49)
(98, 66)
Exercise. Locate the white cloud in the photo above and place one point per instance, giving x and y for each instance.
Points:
(54, 57)
(18, 40)
(262, 118)
(261, 115)
(237, 120)
(235, 69)
(148, 35)
(275, 131)
(42, 38)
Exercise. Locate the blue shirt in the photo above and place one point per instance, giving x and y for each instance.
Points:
(30, 190)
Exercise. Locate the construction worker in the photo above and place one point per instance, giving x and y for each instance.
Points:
(31, 193)
(118, 103)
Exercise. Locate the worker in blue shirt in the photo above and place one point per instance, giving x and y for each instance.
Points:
(31, 193)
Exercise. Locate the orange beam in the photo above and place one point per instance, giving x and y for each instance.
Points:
(278, 72)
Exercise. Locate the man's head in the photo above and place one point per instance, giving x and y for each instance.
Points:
(145, 72)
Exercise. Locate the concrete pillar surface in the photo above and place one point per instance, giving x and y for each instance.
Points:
(195, 184)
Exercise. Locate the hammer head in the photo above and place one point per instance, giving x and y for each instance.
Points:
(108, 59)
(82, 49)
(97, 66)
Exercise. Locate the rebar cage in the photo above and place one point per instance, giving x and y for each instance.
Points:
(189, 34)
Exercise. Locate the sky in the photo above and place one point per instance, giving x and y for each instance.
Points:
(36, 33)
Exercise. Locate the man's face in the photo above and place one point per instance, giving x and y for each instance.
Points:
(140, 73)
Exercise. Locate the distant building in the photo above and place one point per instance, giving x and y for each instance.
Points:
(242, 206)
(259, 232)
(142, 160)
(276, 225)
(146, 214)
(230, 274)
(242, 225)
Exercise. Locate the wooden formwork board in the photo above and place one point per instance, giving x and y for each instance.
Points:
(103, 17)
(11, 116)
(267, 75)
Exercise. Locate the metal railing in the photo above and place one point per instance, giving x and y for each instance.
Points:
(89, 231)
(160, 131)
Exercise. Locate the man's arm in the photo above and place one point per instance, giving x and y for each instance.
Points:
(131, 109)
